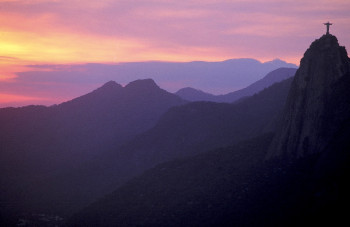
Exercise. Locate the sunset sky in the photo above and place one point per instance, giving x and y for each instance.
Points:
(58, 32)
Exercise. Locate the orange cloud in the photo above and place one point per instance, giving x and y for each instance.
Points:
(119, 31)
(79, 31)
(14, 100)
(64, 47)
(17, 98)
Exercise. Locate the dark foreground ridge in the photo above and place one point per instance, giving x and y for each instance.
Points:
(318, 103)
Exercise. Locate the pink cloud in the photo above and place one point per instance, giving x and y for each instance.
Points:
(213, 25)
(77, 31)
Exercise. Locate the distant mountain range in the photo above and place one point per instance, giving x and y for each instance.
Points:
(275, 76)
(214, 77)
(63, 81)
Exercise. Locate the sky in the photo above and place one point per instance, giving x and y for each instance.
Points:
(63, 33)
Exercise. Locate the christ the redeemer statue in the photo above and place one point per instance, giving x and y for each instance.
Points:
(327, 24)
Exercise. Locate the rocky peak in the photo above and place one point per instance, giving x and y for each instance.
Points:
(142, 84)
(313, 112)
(110, 86)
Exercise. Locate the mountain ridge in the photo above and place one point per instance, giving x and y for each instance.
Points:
(214, 77)
(181, 132)
(237, 185)
(67, 135)
(272, 77)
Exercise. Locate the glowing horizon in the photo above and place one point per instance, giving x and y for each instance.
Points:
(36, 32)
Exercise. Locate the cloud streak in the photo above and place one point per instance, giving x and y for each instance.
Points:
(57, 83)
(169, 30)
(36, 32)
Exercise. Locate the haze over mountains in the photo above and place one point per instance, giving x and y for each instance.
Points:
(64, 82)
(140, 156)
(275, 76)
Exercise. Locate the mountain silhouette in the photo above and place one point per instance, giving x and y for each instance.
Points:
(192, 94)
(40, 142)
(275, 76)
(214, 77)
(145, 85)
(258, 182)
(312, 117)
(181, 132)
(110, 115)
(200, 126)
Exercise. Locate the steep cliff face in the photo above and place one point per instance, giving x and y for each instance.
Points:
(316, 106)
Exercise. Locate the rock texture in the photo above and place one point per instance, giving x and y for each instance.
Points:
(311, 117)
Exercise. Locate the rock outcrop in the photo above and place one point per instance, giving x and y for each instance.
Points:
(316, 106)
